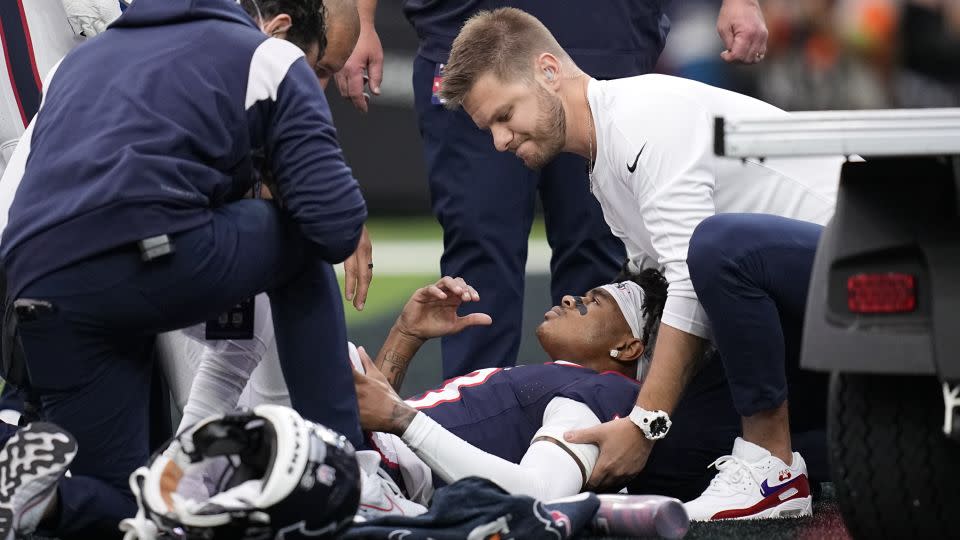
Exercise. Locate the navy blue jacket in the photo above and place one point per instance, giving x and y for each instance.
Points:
(500, 410)
(149, 127)
(608, 39)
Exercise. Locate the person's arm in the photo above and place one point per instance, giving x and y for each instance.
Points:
(549, 468)
(367, 55)
(395, 355)
(430, 312)
(743, 30)
(291, 119)
(680, 183)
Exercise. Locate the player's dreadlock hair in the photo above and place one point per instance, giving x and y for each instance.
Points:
(309, 19)
(654, 287)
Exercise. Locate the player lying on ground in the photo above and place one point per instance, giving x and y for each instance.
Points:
(507, 425)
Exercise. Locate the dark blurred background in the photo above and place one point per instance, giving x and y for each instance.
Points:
(823, 54)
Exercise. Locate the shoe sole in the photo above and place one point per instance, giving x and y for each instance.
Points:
(32, 462)
(794, 508)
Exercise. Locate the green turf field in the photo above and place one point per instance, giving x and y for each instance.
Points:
(422, 228)
(386, 297)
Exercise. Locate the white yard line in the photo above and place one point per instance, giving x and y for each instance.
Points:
(423, 257)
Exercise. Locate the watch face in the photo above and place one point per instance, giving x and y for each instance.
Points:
(658, 426)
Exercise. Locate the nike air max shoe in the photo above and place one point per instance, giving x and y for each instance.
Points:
(753, 484)
(31, 464)
(379, 494)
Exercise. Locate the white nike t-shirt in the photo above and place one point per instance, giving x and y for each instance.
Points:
(657, 178)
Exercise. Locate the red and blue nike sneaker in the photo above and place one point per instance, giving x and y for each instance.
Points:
(753, 484)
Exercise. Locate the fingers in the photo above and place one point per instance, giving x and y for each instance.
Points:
(371, 368)
(365, 359)
(446, 286)
(341, 78)
(375, 71)
(747, 48)
(363, 279)
(459, 287)
(591, 435)
(726, 35)
(350, 84)
(350, 277)
(601, 476)
(435, 292)
(354, 85)
(474, 319)
(363, 269)
(741, 48)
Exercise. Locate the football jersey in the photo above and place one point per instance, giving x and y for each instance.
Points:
(36, 36)
(499, 410)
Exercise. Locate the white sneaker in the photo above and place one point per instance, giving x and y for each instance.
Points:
(31, 464)
(753, 484)
(10, 416)
(379, 494)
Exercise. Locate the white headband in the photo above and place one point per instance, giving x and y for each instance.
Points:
(629, 296)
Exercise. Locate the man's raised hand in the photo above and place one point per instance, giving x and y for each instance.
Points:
(432, 310)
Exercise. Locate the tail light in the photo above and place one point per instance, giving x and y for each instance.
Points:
(890, 292)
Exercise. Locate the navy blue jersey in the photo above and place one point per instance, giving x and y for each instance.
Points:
(608, 39)
(500, 410)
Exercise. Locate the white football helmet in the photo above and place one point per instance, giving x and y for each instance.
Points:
(278, 476)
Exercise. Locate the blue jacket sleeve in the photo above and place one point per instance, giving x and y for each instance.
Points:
(315, 185)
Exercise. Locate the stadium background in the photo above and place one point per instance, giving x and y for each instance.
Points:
(822, 54)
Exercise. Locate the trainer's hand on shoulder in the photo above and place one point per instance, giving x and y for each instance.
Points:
(358, 271)
(623, 452)
(432, 310)
(743, 31)
(366, 62)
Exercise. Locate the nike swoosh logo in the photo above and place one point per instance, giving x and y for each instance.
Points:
(633, 167)
(767, 491)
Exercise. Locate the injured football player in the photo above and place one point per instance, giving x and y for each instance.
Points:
(506, 425)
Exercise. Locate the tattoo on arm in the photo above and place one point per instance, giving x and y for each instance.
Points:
(395, 356)
(396, 371)
(395, 368)
(401, 417)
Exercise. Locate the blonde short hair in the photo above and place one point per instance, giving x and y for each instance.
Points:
(503, 42)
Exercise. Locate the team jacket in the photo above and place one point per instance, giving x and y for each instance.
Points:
(500, 410)
(149, 127)
(608, 39)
